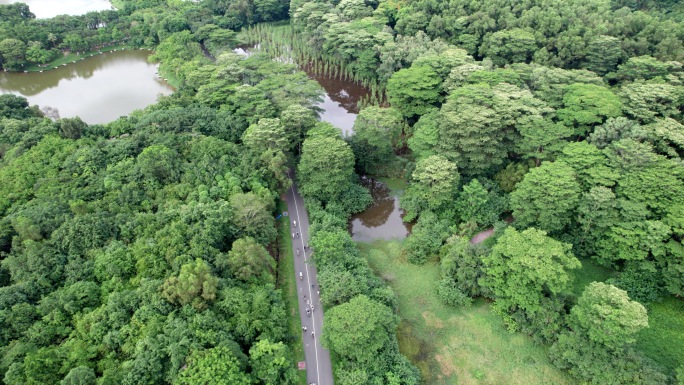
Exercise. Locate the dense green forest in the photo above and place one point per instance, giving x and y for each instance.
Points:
(565, 118)
(144, 250)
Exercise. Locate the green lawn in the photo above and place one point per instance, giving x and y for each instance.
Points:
(287, 283)
(455, 346)
(663, 340)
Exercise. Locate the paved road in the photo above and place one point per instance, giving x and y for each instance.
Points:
(318, 366)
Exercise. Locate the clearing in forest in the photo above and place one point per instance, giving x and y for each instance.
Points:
(455, 345)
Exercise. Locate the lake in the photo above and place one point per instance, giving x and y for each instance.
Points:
(99, 89)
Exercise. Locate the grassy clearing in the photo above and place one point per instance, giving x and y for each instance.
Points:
(663, 340)
(287, 283)
(590, 272)
(455, 346)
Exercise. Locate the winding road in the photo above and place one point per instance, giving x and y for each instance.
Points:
(318, 365)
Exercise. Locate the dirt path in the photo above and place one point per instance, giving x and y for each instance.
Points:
(481, 236)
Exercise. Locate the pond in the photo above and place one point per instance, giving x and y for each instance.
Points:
(340, 102)
(382, 219)
(50, 8)
(99, 89)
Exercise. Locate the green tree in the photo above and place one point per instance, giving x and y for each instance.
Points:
(604, 323)
(615, 129)
(542, 140)
(159, 163)
(272, 364)
(44, 366)
(478, 120)
(81, 375)
(435, 184)
(194, 285)
(607, 317)
(587, 105)
(603, 54)
(72, 128)
(643, 67)
(546, 197)
(12, 54)
(376, 135)
(476, 204)
(213, 366)
(647, 101)
(358, 330)
(672, 263)
(267, 135)
(423, 142)
(413, 91)
(326, 168)
(524, 268)
(252, 215)
(509, 46)
(249, 261)
(297, 120)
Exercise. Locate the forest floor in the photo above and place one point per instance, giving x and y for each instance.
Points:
(288, 285)
(455, 345)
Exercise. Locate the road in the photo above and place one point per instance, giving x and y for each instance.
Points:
(318, 365)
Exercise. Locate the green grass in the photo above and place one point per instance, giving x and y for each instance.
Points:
(663, 340)
(287, 283)
(590, 272)
(455, 346)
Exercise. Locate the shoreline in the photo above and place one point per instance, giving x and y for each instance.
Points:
(74, 58)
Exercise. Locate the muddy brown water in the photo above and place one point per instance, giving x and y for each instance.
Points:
(99, 89)
(383, 218)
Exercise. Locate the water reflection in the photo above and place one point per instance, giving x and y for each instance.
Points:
(340, 102)
(50, 8)
(99, 89)
(381, 220)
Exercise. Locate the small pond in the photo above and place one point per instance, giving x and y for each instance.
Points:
(50, 8)
(381, 220)
(99, 89)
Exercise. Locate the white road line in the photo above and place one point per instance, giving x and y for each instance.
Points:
(308, 285)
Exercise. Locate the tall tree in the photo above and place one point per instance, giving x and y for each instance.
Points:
(358, 329)
(326, 168)
(376, 135)
(523, 269)
(272, 364)
(587, 105)
(546, 197)
(413, 91)
(435, 184)
(213, 366)
(477, 121)
(596, 349)
(194, 285)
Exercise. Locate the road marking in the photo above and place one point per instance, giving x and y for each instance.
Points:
(308, 285)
